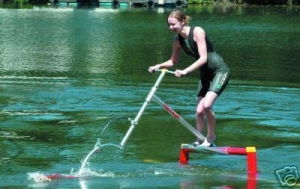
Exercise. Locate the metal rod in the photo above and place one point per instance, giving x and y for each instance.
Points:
(140, 113)
(179, 118)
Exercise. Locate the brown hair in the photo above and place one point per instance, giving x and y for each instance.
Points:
(180, 15)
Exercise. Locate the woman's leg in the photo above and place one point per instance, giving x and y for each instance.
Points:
(208, 102)
(217, 85)
(204, 112)
(200, 119)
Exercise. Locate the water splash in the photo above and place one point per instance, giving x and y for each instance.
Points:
(84, 171)
(109, 123)
(38, 177)
(44, 178)
(98, 146)
(85, 161)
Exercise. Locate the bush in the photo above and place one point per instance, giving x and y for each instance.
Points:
(199, 1)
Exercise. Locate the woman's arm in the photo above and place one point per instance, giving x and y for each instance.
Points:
(172, 61)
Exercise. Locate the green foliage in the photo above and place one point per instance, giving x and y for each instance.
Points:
(21, 1)
(199, 1)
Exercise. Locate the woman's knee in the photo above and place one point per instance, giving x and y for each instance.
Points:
(200, 111)
(206, 107)
(203, 108)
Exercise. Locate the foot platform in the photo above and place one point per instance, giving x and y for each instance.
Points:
(250, 152)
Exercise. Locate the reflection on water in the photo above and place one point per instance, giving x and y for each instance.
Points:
(66, 72)
(86, 43)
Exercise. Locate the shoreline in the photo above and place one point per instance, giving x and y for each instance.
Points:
(219, 3)
(228, 2)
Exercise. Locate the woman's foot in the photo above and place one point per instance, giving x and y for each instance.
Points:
(196, 143)
(207, 144)
(210, 139)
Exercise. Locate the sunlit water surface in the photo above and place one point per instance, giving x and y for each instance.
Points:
(65, 73)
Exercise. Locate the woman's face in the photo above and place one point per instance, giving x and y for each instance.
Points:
(175, 25)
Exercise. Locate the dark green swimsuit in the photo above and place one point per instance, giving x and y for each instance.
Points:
(214, 75)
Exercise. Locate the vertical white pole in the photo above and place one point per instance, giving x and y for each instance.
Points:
(140, 113)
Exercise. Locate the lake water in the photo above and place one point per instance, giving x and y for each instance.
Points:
(65, 73)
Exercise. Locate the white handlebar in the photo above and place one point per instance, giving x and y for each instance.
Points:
(165, 70)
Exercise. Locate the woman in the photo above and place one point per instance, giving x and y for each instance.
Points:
(214, 73)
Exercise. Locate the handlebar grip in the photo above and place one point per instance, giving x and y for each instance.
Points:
(165, 70)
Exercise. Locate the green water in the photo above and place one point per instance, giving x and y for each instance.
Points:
(64, 73)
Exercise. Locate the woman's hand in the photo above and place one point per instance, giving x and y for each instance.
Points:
(152, 69)
(179, 73)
